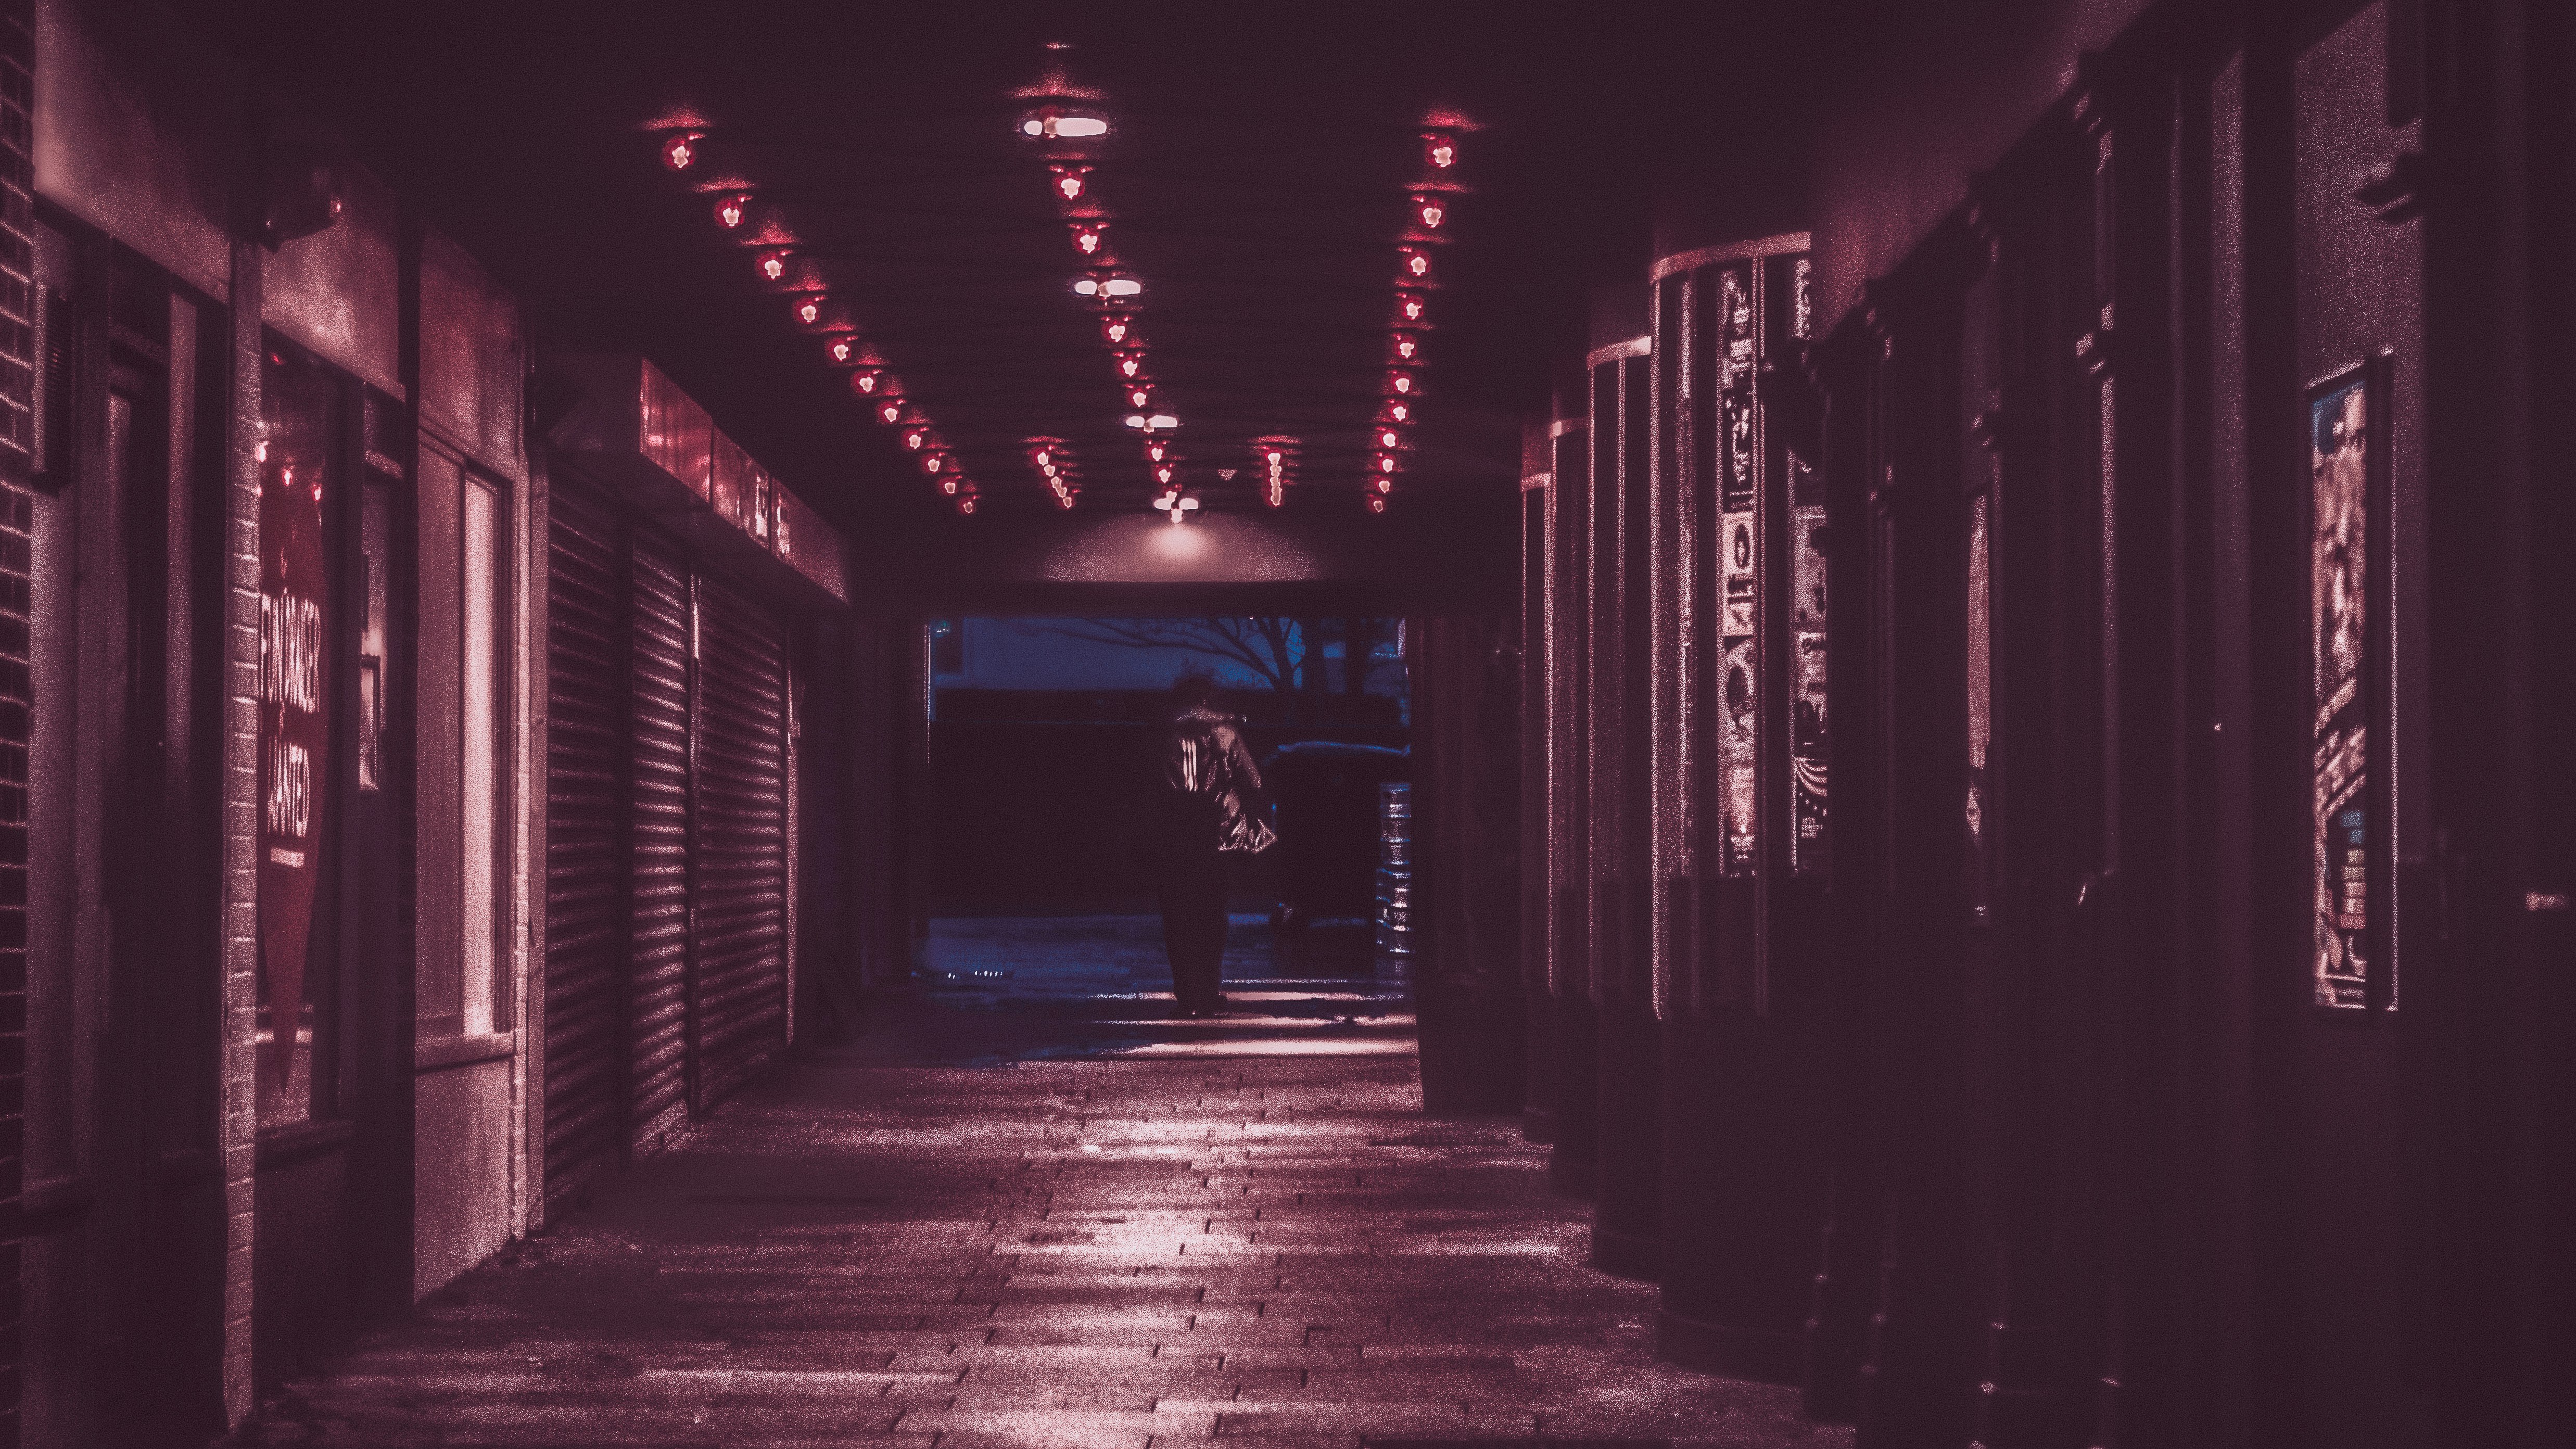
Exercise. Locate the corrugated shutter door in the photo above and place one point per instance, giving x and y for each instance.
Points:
(585, 849)
(742, 840)
(659, 950)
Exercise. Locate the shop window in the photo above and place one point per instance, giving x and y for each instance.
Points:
(302, 407)
(482, 753)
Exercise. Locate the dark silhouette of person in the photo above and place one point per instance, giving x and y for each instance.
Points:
(1211, 811)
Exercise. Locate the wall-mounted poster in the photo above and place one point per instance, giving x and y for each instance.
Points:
(1810, 663)
(2341, 439)
(1736, 702)
(1981, 723)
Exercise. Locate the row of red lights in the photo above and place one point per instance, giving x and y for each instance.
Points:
(1065, 133)
(1055, 464)
(776, 258)
(1426, 219)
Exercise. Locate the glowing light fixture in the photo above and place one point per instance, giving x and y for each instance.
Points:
(810, 310)
(1409, 306)
(1428, 211)
(1050, 125)
(1400, 383)
(1388, 437)
(1090, 236)
(1417, 263)
(679, 150)
(1130, 364)
(1173, 503)
(1107, 287)
(1070, 181)
(1406, 344)
(1439, 150)
(1384, 463)
(1152, 423)
(1116, 328)
(889, 412)
(1377, 505)
(1157, 450)
(773, 265)
(841, 350)
(916, 438)
(731, 212)
(1399, 411)
(1137, 397)
(869, 381)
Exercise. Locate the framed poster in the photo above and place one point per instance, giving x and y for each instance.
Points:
(2347, 544)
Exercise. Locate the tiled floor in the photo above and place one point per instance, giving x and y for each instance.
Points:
(1245, 1232)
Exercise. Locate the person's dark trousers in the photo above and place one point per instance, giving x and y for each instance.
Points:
(1193, 891)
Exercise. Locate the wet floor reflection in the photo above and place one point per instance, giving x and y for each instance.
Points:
(1007, 988)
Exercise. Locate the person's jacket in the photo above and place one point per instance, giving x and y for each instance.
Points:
(1211, 787)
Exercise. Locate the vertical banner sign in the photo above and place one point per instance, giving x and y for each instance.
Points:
(1739, 557)
(293, 753)
(1810, 668)
(1811, 655)
(1981, 703)
(2339, 442)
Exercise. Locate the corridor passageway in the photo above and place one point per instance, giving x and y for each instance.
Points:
(1865, 702)
(1264, 1240)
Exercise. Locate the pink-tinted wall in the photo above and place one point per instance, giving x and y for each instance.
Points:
(1938, 104)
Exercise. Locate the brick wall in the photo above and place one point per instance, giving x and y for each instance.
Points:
(17, 431)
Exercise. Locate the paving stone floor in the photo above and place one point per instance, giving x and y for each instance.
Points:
(1245, 1233)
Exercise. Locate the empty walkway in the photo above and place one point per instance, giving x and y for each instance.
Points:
(1260, 1239)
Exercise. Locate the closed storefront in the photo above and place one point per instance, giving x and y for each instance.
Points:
(671, 849)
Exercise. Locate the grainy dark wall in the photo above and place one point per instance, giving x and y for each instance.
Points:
(17, 229)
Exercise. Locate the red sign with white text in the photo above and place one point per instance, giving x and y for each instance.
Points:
(294, 740)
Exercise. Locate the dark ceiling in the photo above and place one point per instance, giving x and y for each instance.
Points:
(1256, 175)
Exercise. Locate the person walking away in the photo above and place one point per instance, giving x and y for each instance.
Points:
(1211, 813)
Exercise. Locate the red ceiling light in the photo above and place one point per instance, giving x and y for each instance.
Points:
(1157, 450)
(916, 438)
(1116, 328)
(1137, 397)
(1090, 237)
(1384, 463)
(1389, 437)
(842, 351)
(1429, 213)
(810, 310)
(889, 412)
(1408, 305)
(934, 464)
(680, 150)
(1130, 364)
(732, 211)
(1071, 182)
(1400, 383)
(950, 484)
(872, 382)
(1406, 345)
(1377, 505)
(1163, 474)
(1439, 150)
(1397, 410)
(773, 265)
(966, 504)
(1417, 263)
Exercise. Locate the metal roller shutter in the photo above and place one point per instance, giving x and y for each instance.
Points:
(741, 996)
(585, 848)
(659, 713)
